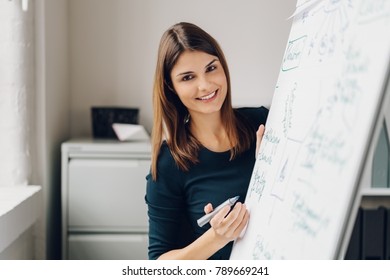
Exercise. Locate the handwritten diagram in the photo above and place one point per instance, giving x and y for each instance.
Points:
(329, 87)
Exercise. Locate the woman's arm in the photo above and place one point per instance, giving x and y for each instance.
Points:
(223, 230)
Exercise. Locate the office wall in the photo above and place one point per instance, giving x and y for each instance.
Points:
(49, 126)
(113, 46)
(52, 124)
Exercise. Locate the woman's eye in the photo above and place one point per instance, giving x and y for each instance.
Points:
(211, 68)
(187, 78)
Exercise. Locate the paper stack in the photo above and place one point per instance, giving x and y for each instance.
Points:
(130, 132)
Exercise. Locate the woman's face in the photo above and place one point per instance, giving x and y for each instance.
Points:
(200, 82)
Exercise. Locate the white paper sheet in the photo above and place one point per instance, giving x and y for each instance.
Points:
(130, 132)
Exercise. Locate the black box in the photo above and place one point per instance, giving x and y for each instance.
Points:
(104, 117)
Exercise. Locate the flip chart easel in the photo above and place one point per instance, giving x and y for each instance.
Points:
(324, 117)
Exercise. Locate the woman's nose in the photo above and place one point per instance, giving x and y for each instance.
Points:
(203, 84)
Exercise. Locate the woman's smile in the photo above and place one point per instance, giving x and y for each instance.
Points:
(208, 98)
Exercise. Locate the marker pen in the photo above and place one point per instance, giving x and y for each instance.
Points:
(206, 218)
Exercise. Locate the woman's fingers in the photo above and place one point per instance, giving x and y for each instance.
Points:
(217, 220)
(259, 137)
(237, 220)
(238, 232)
(208, 208)
(230, 226)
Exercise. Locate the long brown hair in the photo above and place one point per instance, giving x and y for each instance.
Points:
(169, 111)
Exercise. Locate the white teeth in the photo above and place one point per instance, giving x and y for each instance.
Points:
(211, 95)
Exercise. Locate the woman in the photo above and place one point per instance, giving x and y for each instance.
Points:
(203, 150)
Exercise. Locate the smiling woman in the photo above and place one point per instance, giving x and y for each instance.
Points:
(200, 82)
(203, 150)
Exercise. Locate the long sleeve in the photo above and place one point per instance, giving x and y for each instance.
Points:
(165, 206)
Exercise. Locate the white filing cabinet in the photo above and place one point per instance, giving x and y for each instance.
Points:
(104, 215)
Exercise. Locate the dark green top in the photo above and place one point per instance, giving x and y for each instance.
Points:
(177, 199)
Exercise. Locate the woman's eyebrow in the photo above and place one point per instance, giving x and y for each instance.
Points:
(190, 72)
(184, 73)
(211, 62)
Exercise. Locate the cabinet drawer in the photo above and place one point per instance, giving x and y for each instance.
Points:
(108, 246)
(107, 193)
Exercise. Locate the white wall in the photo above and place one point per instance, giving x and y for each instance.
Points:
(52, 121)
(44, 76)
(113, 47)
(16, 91)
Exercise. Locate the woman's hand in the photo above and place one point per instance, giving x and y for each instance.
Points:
(228, 227)
(259, 138)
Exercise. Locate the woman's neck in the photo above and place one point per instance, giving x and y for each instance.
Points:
(210, 132)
